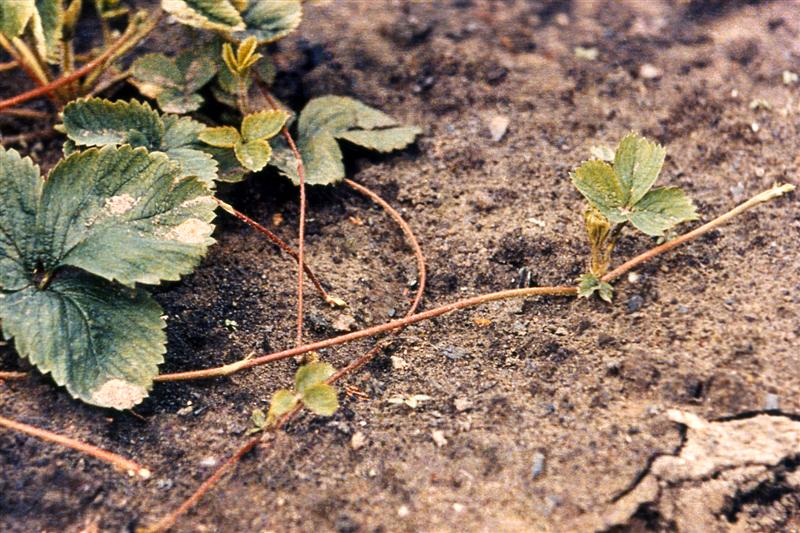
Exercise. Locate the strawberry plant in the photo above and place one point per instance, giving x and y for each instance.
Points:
(75, 248)
(622, 193)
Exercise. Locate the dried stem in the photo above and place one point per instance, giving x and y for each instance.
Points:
(29, 136)
(336, 302)
(484, 298)
(117, 461)
(13, 375)
(168, 521)
(301, 231)
(765, 196)
(11, 65)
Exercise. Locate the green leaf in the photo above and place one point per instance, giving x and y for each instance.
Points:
(119, 213)
(181, 132)
(195, 163)
(253, 155)
(115, 213)
(661, 209)
(282, 402)
(21, 186)
(47, 23)
(312, 374)
(221, 137)
(269, 20)
(229, 169)
(174, 82)
(263, 125)
(327, 118)
(589, 284)
(14, 16)
(598, 183)
(96, 122)
(321, 399)
(101, 341)
(216, 15)
(387, 140)
(637, 163)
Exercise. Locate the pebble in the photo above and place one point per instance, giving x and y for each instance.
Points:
(398, 363)
(635, 303)
(458, 507)
(208, 462)
(344, 323)
(358, 440)
(649, 72)
(561, 331)
(538, 465)
(634, 277)
(498, 125)
(438, 438)
(772, 402)
(462, 404)
(403, 511)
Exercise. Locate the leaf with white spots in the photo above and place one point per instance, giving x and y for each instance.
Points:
(102, 341)
(103, 218)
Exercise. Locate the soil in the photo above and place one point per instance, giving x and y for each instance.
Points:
(549, 414)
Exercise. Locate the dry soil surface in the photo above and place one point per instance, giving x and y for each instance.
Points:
(674, 408)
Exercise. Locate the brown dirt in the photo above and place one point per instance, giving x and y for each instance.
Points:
(568, 399)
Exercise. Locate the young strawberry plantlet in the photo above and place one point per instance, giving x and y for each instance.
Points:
(74, 249)
(622, 193)
(250, 146)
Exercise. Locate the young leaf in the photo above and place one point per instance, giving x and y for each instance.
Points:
(311, 374)
(589, 284)
(263, 125)
(328, 118)
(139, 125)
(598, 182)
(215, 15)
(253, 155)
(246, 56)
(282, 402)
(638, 162)
(101, 341)
(14, 16)
(221, 137)
(661, 209)
(269, 20)
(115, 213)
(47, 24)
(321, 399)
(622, 193)
(174, 82)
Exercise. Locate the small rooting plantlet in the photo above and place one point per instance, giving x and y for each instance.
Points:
(620, 193)
(310, 389)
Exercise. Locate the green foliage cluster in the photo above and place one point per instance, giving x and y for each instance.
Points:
(620, 193)
(74, 250)
(310, 389)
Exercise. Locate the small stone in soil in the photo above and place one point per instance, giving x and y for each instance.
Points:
(358, 440)
(537, 465)
(438, 438)
(772, 402)
(462, 404)
(398, 363)
(498, 125)
(635, 303)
